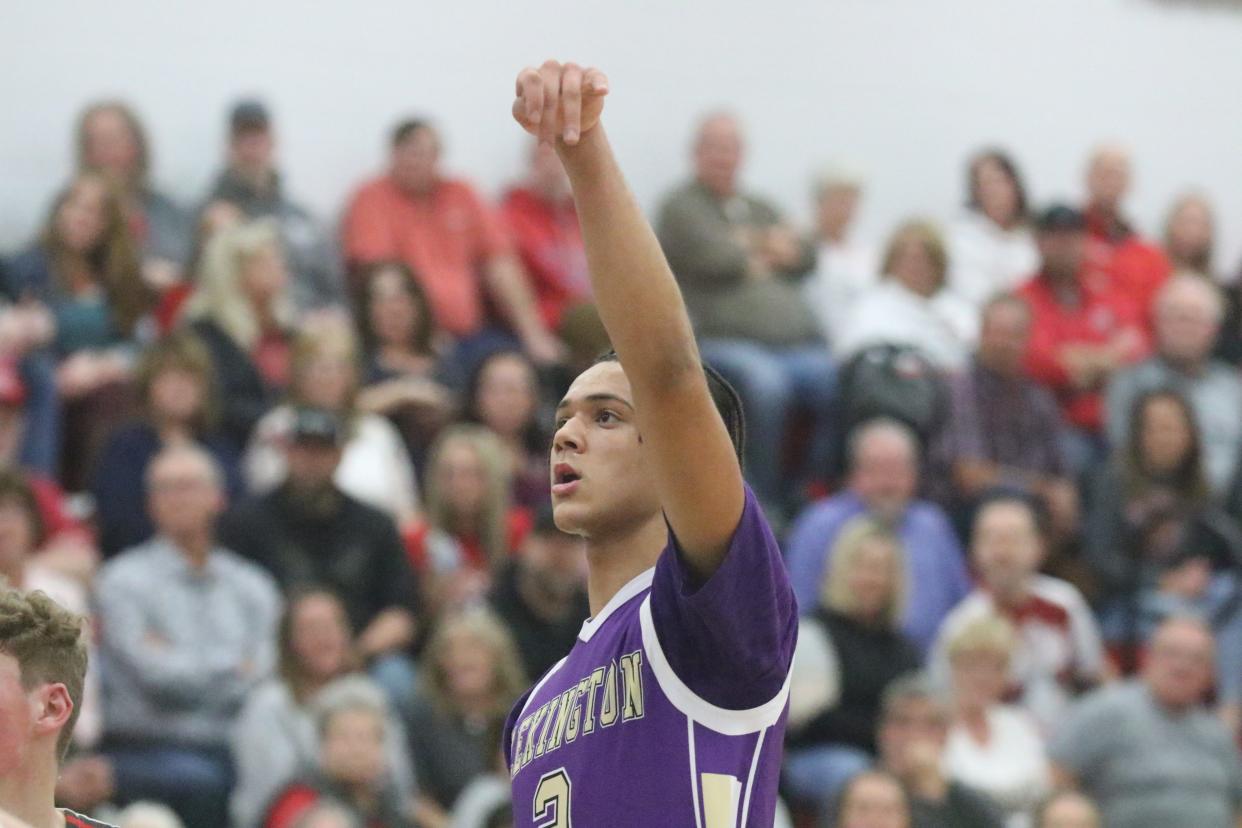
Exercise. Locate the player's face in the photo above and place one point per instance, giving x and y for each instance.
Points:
(600, 478)
(875, 801)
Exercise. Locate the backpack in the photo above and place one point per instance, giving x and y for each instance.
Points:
(895, 381)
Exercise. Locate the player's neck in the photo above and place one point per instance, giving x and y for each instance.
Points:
(29, 794)
(619, 558)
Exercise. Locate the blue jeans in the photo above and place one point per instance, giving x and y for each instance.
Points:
(814, 776)
(40, 444)
(194, 782)
(771, 381)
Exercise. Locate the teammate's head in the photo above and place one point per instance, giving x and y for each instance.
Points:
(601, 480)
(42, 669)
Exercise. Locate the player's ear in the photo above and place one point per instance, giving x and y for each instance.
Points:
(52, 708)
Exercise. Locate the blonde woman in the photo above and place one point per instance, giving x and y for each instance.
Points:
(848, 651)
(470, 527)
(471, 676)
(324, 373)
(242, 312)
(912, 303)
(993, 747)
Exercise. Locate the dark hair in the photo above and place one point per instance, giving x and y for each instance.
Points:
(1189, 477)
(132, 123)
(1003, 160)
(838, 806)
(727, 401)
(15, 486)
(289, 668)
(534, 437)
(406, 129)
(420, 342)
(180, 351)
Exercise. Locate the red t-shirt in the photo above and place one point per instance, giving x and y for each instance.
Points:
(518, 521)
(1138, 267)
(549, 241)
(446, 237)
(1103, 314)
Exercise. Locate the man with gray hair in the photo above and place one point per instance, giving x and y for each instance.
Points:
(1188, 314)
(913, 732)
(883, 480)
(187, 629)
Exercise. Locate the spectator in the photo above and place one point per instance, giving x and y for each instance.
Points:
(913, 304)
(85, 270)
(1003, 428)
(1057, 652)
(873, 799)
(740, 267)
(471, 679)
(148, 815)
(22, 533)
(178, 403)
(28, 393)
(994, 747)
(991, 250)
(307, 532)
(471, 527)
(187, 629)
(375, 467)
(1190, 236)
(251, 183)
(504, 396)
(327, 815)
(845, 267)
(541, 217)
(1188, 314)
(1137, 267)
(1067, 809)
(849, 650)
(1147, 750)
(914, 731)
(448, 238)
(353, 769)
(883, 457)
(1083, 330)
(541, 595)
(403, 377)
(112, 141)
(242, 312)
(274, 735)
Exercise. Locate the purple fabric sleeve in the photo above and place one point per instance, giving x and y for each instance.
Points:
(731, 638)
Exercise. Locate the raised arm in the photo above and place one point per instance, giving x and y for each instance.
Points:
(697, 472)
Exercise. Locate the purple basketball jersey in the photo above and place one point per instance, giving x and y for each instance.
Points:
(670, 709)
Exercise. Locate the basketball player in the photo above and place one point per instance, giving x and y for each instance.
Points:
(42, 669)
(670, 708)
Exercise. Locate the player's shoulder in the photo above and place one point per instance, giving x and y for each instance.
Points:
(75, 820)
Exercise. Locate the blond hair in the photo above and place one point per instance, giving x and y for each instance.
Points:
(219, 297)
(508, 677)
(928, 235)
(47, 642)
(854, 538)
(321, 336)
(491, 525)
(989, 633)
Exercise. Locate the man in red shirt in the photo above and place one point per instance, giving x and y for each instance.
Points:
(1138, 267)
(1083, 328)
(451, 240)
(541, 217)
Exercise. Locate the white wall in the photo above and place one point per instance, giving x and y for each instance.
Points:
(904, 88)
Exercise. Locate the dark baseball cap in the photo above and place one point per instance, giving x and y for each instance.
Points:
(317, 425)
(249, 114)
(1060, 217)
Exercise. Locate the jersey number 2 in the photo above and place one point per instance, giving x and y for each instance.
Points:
(552, 800)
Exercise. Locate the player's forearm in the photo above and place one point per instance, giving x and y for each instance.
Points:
(638, 299)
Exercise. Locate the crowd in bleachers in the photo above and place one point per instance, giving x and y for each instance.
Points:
(293, 469)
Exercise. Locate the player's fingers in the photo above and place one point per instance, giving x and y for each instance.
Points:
(550, 74)
(530, 94)
(571, 103)
(595, 82)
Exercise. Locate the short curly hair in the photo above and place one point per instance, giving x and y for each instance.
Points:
(47, 642)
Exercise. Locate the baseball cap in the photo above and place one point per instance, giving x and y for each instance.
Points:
(1060, 217)
(317, 425)
(249, 114)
